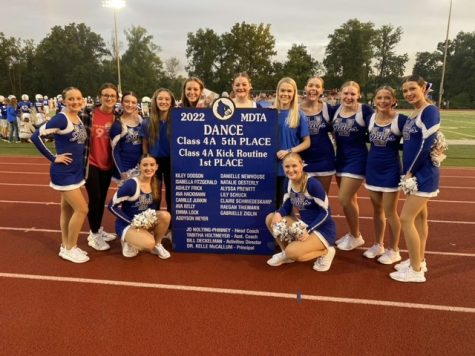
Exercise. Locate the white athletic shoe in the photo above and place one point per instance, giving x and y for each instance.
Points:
(407, 263)
(389, 257)
(374, 251)
(161, 252)
(128, 250)
(107, 236)
(351, 243)
(74, 255)
(279, 259)
(408, 275)
(96, 241)
(323, 263)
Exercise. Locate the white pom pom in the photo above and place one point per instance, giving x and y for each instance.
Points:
(408, 185)
(145, 220)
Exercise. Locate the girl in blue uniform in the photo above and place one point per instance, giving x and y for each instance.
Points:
(419, 135)
(134, 197)
(156, 137)
(67, 170)
(320, 157)
(293, 133)
(349, 125)
(307, 201)
(125, 137)
(383, 171)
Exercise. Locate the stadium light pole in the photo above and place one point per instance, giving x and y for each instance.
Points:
(116, 5)
(441, 89)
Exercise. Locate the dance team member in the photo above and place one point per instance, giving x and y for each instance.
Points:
(320, 157)
(293, 131)
(349, 126)
(155, 134)
(306, 201)
(383, 172)
(67, 170)
(419, 136)
(242, 88)
(134, 197)
(191, 93)
(126, 141)
(101, 164)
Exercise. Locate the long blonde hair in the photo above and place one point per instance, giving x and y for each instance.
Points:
(297, 157)
(294, 116)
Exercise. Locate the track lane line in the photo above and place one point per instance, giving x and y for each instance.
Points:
(242, 292)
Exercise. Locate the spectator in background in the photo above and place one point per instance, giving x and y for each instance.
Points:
(3, 118)
(26, 130)
(264, 101)
(12, 118)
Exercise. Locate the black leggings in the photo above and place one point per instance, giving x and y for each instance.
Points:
(97, 184)
(281, 190)
(165, 169)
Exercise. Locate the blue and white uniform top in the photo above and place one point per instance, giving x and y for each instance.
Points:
(3, 111)
(126, 145)
(313, 207)
(419, 135)
(351, 138)
(290, 137)
(383, 167)
(39, 105)
(319, 158)
(160, 148)
(25, 106)
(69, 138)
(129, 201)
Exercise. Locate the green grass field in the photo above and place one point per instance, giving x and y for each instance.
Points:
(457, 125)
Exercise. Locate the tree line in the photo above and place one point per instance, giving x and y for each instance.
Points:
(360, 51)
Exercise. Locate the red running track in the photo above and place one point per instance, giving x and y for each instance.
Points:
(209, 304)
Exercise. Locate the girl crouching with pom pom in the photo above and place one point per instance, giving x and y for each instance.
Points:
(303, 226)
(140, 224)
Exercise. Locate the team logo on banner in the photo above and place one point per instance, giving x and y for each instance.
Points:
(223, 108)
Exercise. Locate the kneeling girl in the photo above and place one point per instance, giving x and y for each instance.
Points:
(135, 196)
(303, 226)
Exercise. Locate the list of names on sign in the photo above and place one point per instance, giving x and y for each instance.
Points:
(224, 175)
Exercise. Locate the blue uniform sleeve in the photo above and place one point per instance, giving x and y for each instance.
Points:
(145, 128)
(401, 121)
(116, 133)
(304, 128)
(57, 123)
(319, 196)
(126, 192)
(286, 207)
(367, 112)
(430, 119)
